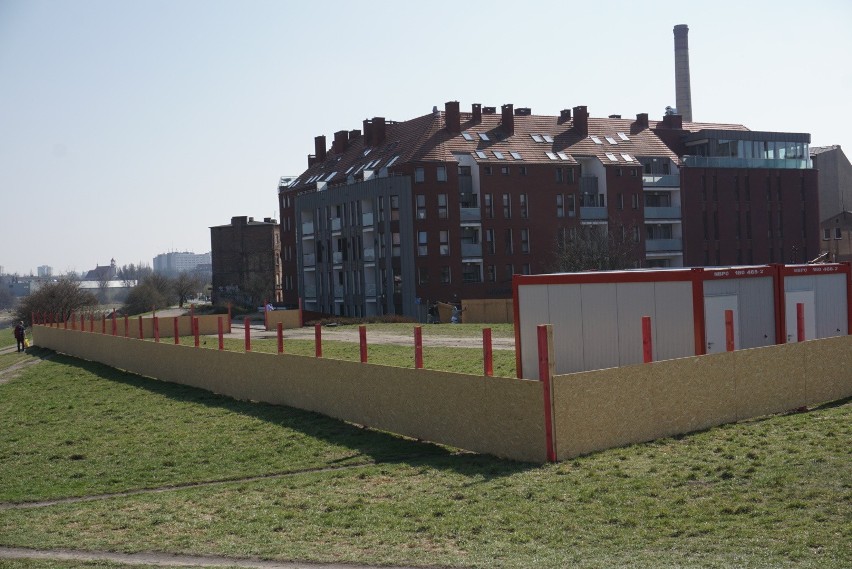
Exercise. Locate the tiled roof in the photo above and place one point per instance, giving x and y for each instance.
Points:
(425, 138)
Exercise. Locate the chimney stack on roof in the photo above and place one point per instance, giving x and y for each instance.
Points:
(368, 132)
(672, 121)
(476, 111)
(641, 121)
(564, 115)
(378, 131)
(683, 93)
(341, 141)
(508, 118)
(452, 117)
(353, 134)
(319, 148)
(581, 120)
(312, 159)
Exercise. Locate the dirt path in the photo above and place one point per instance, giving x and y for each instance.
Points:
(158, 559)
(14, 370)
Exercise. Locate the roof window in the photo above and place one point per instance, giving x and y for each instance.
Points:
(611, 140)
(536, 138)
(390, 163)
(612, 157)
(367, 151)
(482, 154)
(622, 136)
(596, 140)
(467, 135)
(516, 155)
(551, 155)
(350, 169)
(499, 155)
(547, 138)
(484, 136)
(330, 176)
(562, 156)
(627, 157)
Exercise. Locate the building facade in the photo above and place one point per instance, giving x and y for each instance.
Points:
(246, 261)
(450, 205)
(836, 232)
(835, 180)
(176, 262)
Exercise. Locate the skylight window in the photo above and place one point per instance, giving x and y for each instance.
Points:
(562, 156)
(547, 138)
(467, 135)
(484, 136)
(516, 155)
(392, 160)
(622, 136)
(330, 176)
(367, 151)
(361, 167)
(481, 154)
(612, 157)
(350, 169)
(499, 155)
(374, 163)
(611, 140)
(596, 140)
(627, 157)
(536, 138)
(551, 155)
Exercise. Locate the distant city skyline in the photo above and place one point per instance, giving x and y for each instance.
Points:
(130, 128)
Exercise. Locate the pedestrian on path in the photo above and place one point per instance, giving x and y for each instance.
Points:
(20, 335)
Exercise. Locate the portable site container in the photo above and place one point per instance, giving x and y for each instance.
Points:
(597, 317)
(825, 291)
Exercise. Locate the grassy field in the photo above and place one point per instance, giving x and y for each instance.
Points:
(774, 492)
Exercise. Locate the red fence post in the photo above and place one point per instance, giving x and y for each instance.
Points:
(156, 329)
(221, 336)
(280, 331)
(318, 340)
(92, 322)
(194, 322)
(176, 327)
(114, 325)
(647, 340)
(192, 311)
(487, 354)
(247, 326)
(362, 338)
(64, 322)
(418, 347)
(729, 330)
(546, 366)
(800, 322)
(141, 329)
(126, 326)
(103, 323)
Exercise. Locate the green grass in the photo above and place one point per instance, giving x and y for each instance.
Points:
(442, 330)
(774, 492)
(63, 564)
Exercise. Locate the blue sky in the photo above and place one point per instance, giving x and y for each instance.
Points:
(127, 129)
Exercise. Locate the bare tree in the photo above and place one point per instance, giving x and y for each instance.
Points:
(185, 286)
(597, 248)
(57, 298)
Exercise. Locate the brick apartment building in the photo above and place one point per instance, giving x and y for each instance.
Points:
(246, 261)
(449, 205)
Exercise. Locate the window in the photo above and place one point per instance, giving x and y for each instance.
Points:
(484, 136)
(523, 170)
(442, 206)
(471, 273)
(444, 239)
(618, 172)
(620, 201)
(560, 205)
(509, 249)
(572, 211)
(422, 248)
(523, 198)
(525, 240)
(486, 170)
(510, 270)
(423, 275)
(525, 269)
(481, 154)
(446, 276)
(536, 138)
(499, 155)
(516, 155)
(837, 233)
(559, 175)
(421, 206)
(489, 241)
(395, 251)
(635, 201)
(489, 206)
(507, 206)
(547, 138)
(467, 135)
(826, 233)
(570, 175)
(492, 273)
(504, 170)
(394, 201)
(442, 173)
(419, 174)
(551, 155)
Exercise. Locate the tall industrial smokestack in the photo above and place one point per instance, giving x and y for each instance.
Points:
(683, 94)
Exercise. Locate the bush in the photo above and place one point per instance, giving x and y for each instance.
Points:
(58, 298)
(155, 290)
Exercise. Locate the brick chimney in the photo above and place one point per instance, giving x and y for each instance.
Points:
(476, 111)
(353, 134)
(452, 117)
(341, 141)
(508, 119)
(378, 131)
(673, 121)
(368, 132)
(581, 120)
(641, 121)
(319, 148)
(564, 115)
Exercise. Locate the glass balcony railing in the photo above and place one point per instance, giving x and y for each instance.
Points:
(367, 220)
(336, 224)
(307, 229)
(671, 212)
(370, 289)
(309, 260)
(337, 257)
(369, 255)
(661, 180)
(471, 249)
(658, 245)
(593, 213)
(731, 162)
(470, 214)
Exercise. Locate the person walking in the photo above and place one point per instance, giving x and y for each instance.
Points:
(20, 335)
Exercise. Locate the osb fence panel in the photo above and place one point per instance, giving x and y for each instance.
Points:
(499, 416)
(602, 409)
(488, 311)
(288, 318)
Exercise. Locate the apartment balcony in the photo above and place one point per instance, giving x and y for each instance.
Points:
(309, 260)
(661, 181)
(471, 250)
(470, 214)
(588, 184)
(310, 291)
(592, 213)
(732, 162)
(336, 224)
(370, 289)
(658, 245)
(671, 212)
(337, 257)
(338, 292)
(369, 255)
(307, 229)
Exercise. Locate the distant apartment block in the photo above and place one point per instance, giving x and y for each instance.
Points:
(45, 271)
(181, 261)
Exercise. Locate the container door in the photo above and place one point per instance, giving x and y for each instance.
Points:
(791, 299)
(714, 321)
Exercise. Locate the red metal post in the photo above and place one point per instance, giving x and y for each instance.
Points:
(246, 325)
(91, 322)
(32, 319)
(545, 342)
(176, 327)
(418, 347)
(103, 323)
(192, 311)
(141, 330)
(318, 340)
(156, 329)
(64, 322)
(126, 326)
(800, 322)
(487, 353)
(729, 330)
(195, 331)
(280, 330)
(362, 337)
(73, 321)
(221, 335)
(114, 324)
(647, 340)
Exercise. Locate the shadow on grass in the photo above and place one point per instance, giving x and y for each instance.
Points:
(380, 447)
